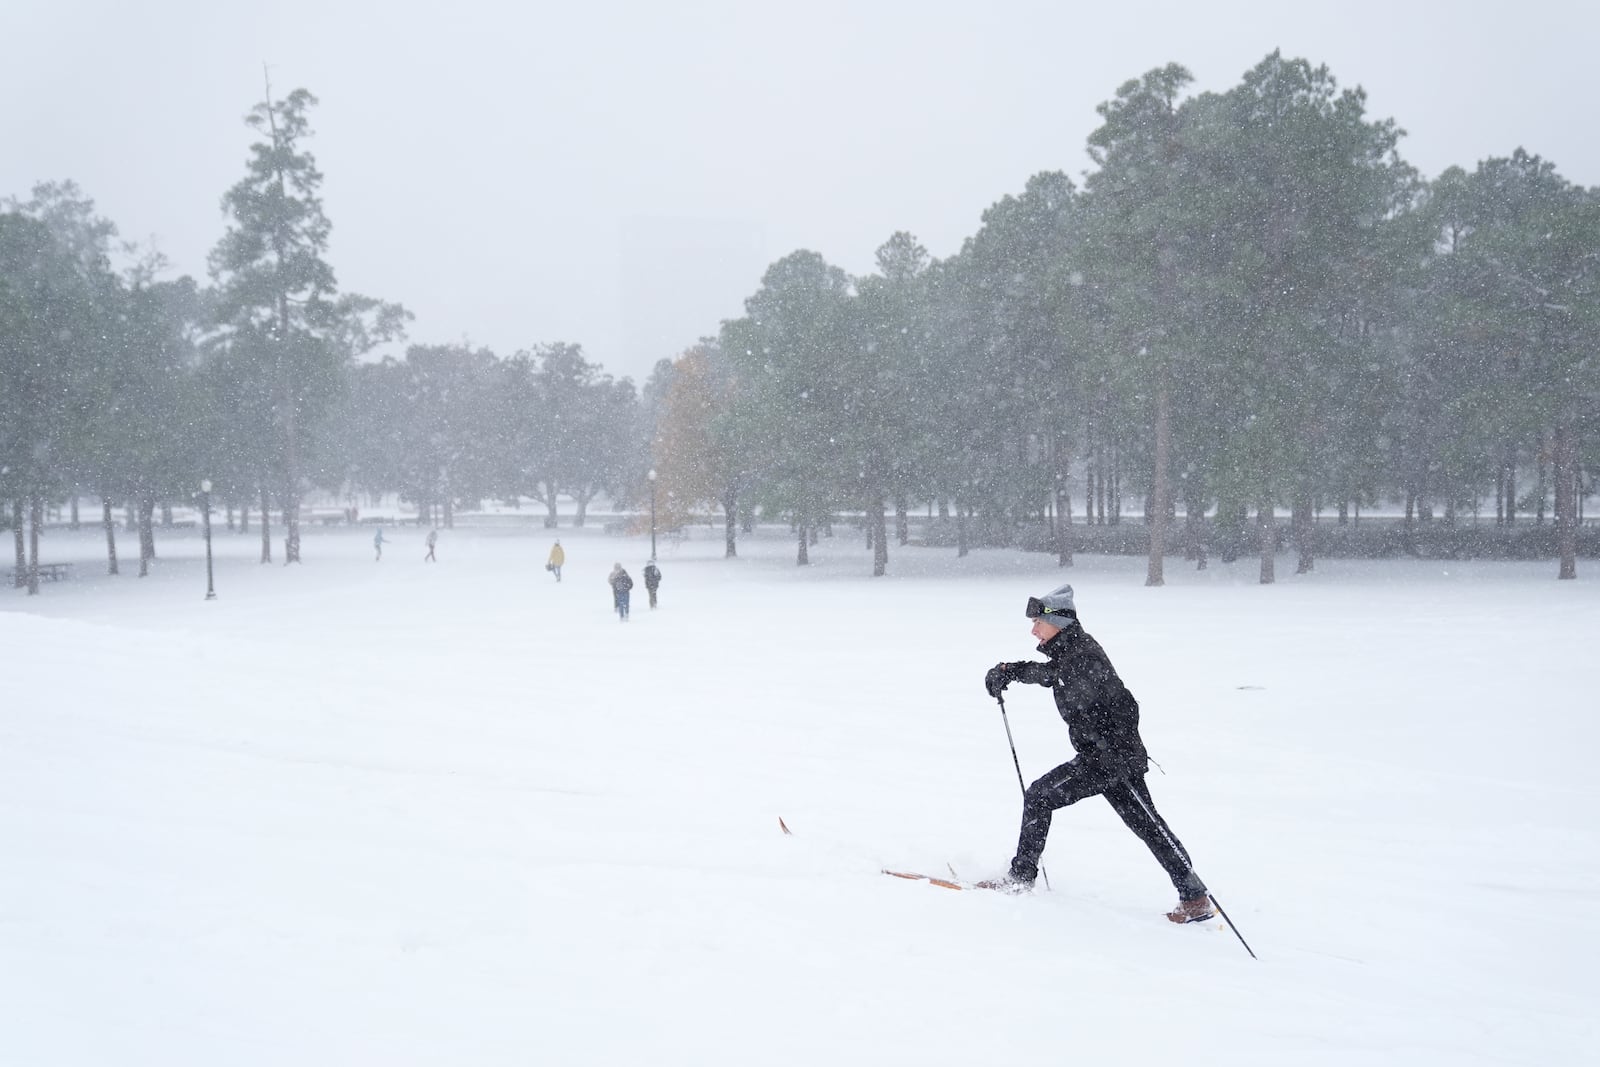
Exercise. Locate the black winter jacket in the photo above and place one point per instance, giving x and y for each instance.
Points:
(1101, 715)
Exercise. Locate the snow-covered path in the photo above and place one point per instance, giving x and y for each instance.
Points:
(396, 813)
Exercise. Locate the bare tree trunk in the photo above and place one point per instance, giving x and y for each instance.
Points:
(266, 527)
(1063, 524)
(1232, 518)
(111, 535)
(147, 526)
(1097, 491)
(73, 522)
(1304, 534)
(902, 521)
(1160, 488)
(1194, 524)
(147, 535)
(1269, 541)
(35, 520)
(1566, 501)
(19, 573)
(1061, 460)
(730, 522)
(880, 537)
(551, 518)
(1116, 487)
(290, 501)
(801, 559)
(961, 529)
(1545, 452)
(1511, 487)
(291, 524)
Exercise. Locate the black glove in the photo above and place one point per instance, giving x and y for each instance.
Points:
(997, 679)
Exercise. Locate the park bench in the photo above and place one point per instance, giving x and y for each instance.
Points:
(50, 572)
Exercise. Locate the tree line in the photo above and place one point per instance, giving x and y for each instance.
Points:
(1251, 302)
(136, 391)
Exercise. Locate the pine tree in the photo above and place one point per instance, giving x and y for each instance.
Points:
(278, 302)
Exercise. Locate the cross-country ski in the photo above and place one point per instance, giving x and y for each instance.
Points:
(943, 883)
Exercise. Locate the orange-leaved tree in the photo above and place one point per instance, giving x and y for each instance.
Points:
(695, 452)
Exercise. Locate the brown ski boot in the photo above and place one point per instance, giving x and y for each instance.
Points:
(1197, 910)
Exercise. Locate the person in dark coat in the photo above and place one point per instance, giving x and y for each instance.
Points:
(621, 585)
(652, 581)
(1103, 724)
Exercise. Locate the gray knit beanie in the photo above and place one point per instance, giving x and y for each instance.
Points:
(1055, 607)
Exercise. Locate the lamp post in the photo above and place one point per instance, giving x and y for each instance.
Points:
(205, 521)
(652, 477)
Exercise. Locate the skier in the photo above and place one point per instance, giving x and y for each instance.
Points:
(1103, 723)
(377, 543)
(558, 556)
(433, 539)
(621, 583)
(652, 581)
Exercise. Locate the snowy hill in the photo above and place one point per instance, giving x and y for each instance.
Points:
(457, 813)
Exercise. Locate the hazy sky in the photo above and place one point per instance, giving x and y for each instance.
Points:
(620, 174)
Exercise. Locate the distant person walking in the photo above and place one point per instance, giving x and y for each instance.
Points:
(652, 581)
(433, 539)
(377, 544)
(558, 556)
(621, 585)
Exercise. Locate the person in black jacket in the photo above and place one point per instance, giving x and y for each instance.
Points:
(652, 580)
(1103, 723)
(621, 585)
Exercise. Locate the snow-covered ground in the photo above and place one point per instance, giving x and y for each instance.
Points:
(402, 813)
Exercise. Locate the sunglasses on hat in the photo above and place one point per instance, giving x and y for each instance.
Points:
(1037, 610)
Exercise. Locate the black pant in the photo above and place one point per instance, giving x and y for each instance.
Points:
(1128, 797)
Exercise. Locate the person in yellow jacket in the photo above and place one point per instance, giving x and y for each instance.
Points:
(558, 556)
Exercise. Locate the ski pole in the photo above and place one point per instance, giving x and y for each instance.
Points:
(1018, 765)
(1014, 761)
(1161, 824)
